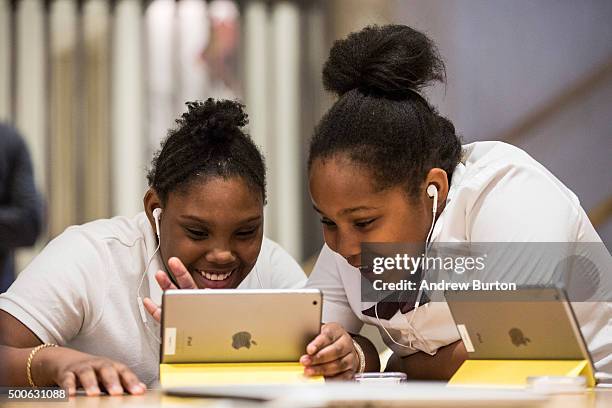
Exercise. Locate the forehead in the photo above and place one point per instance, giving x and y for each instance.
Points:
(217, 198)
(338, 183)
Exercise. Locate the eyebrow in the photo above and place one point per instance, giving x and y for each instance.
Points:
(348, 210)
(204, 222)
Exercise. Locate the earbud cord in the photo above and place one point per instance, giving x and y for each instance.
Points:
(143, 313)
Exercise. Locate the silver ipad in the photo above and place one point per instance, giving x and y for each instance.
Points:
(529, 323)
(233, 325)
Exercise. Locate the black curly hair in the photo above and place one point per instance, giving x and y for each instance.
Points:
(208, 142)
(380, 120)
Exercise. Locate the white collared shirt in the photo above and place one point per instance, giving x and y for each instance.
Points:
(498, 193)
(81, 290)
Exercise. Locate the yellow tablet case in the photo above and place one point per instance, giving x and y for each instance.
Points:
(515, 372)
(179, 375)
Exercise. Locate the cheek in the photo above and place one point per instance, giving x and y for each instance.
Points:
(330, 238)
(183, 248)
(248, 251)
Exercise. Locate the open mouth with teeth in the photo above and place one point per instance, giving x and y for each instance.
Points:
(215, 279)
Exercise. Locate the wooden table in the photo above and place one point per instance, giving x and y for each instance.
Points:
(600, 398)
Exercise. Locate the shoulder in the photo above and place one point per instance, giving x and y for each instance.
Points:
(282, 269)
(124, 231)
(272, 254)
(503, 189)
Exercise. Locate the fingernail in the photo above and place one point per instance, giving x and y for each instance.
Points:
(305, 360)
(143, 385)
(115, 390)
(93, 391)
(136, 389)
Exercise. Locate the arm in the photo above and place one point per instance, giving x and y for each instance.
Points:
(422, 366)
(332, 353)
(21, 217)
(59, 295)
(370, 352)
(58, 365)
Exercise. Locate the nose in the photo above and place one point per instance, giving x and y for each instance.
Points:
(220, 255)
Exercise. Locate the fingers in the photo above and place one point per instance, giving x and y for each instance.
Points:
(110, 379)
(330, 354)
(341, 368)
(114, 377)
(338, 349)
(68, 381)
(88, 379)
(154, 310)
(183, 278)
(329, 333)
(129, 380)
(164, 281)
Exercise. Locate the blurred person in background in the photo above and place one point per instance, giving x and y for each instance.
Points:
(21, 206)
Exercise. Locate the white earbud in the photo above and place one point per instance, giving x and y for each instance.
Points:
(432, 192)
(156, 216)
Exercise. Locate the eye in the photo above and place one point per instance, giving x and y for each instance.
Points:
(328, 223)
(247, 233)
(363, 224)
(196, 234)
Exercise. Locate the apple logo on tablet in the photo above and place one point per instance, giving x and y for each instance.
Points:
(242, 339)
(518, 338)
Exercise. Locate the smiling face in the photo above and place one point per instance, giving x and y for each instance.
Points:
(353, 211)
(215, 227)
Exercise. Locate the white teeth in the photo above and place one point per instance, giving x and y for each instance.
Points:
(216, 276)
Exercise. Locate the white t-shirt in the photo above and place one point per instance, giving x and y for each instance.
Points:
(80, 291)
(498, 193)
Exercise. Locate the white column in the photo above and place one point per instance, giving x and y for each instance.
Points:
(128, 164)
(193, 36)
(161, 55)
(96, 186)
(31, 104)
(63, 138)
(257, 95)
(30, 115)
(5, 62)
(287, 166)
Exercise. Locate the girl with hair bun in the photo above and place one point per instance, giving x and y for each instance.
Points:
(73, 316)
(386, 167)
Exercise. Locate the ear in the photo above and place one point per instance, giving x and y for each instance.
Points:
(151, 201)
(438, 178)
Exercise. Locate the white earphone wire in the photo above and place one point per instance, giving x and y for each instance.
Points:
(143, 313)
(419, 295)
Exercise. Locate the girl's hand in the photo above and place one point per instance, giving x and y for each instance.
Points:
(70, 369)
(183, 278)
(331, 354)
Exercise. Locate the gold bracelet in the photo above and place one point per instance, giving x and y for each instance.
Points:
(31, 357)
(360, 357)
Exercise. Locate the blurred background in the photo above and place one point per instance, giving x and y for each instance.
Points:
(93, 86)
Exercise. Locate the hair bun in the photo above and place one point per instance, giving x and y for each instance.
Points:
(214, 121)
(391, 60)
